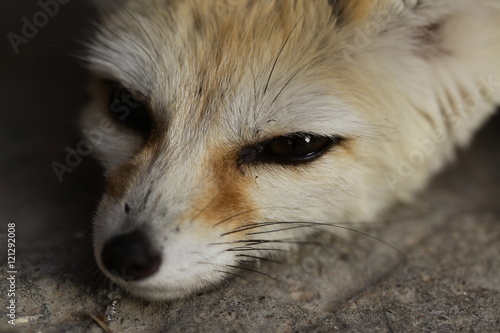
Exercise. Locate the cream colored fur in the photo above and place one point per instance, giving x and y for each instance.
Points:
(405, 82)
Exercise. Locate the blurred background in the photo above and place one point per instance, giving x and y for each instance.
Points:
(42, 91)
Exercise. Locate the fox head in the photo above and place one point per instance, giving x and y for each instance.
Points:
(228, 128)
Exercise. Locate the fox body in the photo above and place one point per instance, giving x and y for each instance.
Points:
(232, 126)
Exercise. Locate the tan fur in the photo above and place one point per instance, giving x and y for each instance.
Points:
(357, 12)
(402, 82)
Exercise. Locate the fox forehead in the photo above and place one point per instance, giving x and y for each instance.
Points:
(226, 61)
(209, 40)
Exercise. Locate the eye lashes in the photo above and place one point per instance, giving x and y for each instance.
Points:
(295, 148)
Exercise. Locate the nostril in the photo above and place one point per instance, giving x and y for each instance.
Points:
(130, 256)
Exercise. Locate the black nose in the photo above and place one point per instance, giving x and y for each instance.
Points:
(130, 256)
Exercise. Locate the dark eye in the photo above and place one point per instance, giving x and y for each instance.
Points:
(129, 111)
(290, 149)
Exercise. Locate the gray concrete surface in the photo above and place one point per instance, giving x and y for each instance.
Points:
(443, 277)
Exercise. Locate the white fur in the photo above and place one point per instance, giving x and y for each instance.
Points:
(403, 104)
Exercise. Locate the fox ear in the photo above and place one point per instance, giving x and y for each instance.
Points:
(355, 12)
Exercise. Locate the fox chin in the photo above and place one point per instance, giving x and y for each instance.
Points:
(230, 129)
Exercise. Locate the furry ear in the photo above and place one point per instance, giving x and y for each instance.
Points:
(355, 12)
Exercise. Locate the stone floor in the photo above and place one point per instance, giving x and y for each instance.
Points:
(431, 266)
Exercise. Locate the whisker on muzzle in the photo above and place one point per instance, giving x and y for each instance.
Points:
(236, 275)
(297, 225)
(258, 258)
(252, 270)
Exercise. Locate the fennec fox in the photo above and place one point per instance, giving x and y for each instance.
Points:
(230, 127)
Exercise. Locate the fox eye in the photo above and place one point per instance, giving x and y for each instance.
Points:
(128, 111)
(290, 149)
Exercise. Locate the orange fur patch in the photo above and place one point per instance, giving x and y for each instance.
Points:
(355, 12)
(229, 205)
(122, 178)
